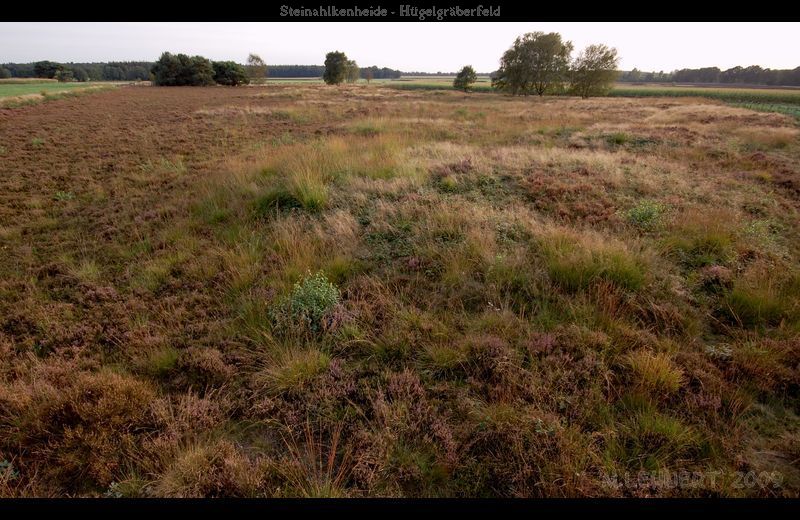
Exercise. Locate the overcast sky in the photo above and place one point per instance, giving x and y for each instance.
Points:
(408, 46)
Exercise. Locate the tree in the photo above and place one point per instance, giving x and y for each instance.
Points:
(4, 73)
(335, 68)
(230, 73)
(64, 76)
(594, 71)
(180, 69)
(536, 62)
(465, 78)
(256, 68)
(80, 74)
(368, 75)
(353, 71)
(46, 69)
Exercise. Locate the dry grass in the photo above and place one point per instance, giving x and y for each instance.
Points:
(530, 294)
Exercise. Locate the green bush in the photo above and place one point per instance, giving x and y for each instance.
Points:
(64, 76)
(180, 69)
(309, 304)
(230, 73)
(645, 215)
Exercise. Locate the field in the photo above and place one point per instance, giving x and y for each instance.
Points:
(21, 89)
(20, 92)
(300, 290)
(786, 101)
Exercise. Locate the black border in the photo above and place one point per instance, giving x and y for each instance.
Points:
(448, 507)
(516, 11)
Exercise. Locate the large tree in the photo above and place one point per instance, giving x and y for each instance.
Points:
(465, 78)
(336, 65)
(535, 63)
(256, 67)
(594, 71)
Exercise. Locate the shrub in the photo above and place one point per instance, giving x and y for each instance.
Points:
(309, 304)
(46, 69)
(230, 73)
(64, 76)
(180, 69)
(617, 138)
(645, 215)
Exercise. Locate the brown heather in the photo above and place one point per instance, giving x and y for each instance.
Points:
(533, 294)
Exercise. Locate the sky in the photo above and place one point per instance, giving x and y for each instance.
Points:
(407, 46)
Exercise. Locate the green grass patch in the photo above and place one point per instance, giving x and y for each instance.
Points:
(575, 267)
(732, 95)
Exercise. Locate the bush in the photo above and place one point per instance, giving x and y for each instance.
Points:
(310, 303)
(80, 74)
(64, 76)
(230, 73)
(180, 69)
(46, 69)
(645, 215)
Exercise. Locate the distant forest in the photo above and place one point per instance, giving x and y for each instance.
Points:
(753, 75)
(140, 70)
(112, 71)
(315, 71)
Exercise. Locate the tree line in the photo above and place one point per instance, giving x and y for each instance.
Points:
(110, 71)
(752, 75)
(140, 70)
(511, 76)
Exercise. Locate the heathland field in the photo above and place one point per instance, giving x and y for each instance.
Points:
(302, 290)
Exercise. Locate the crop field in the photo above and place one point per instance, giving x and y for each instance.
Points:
(21, 93)
(735, 95)
(786, 101)
(21, 89)
(296, 290)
